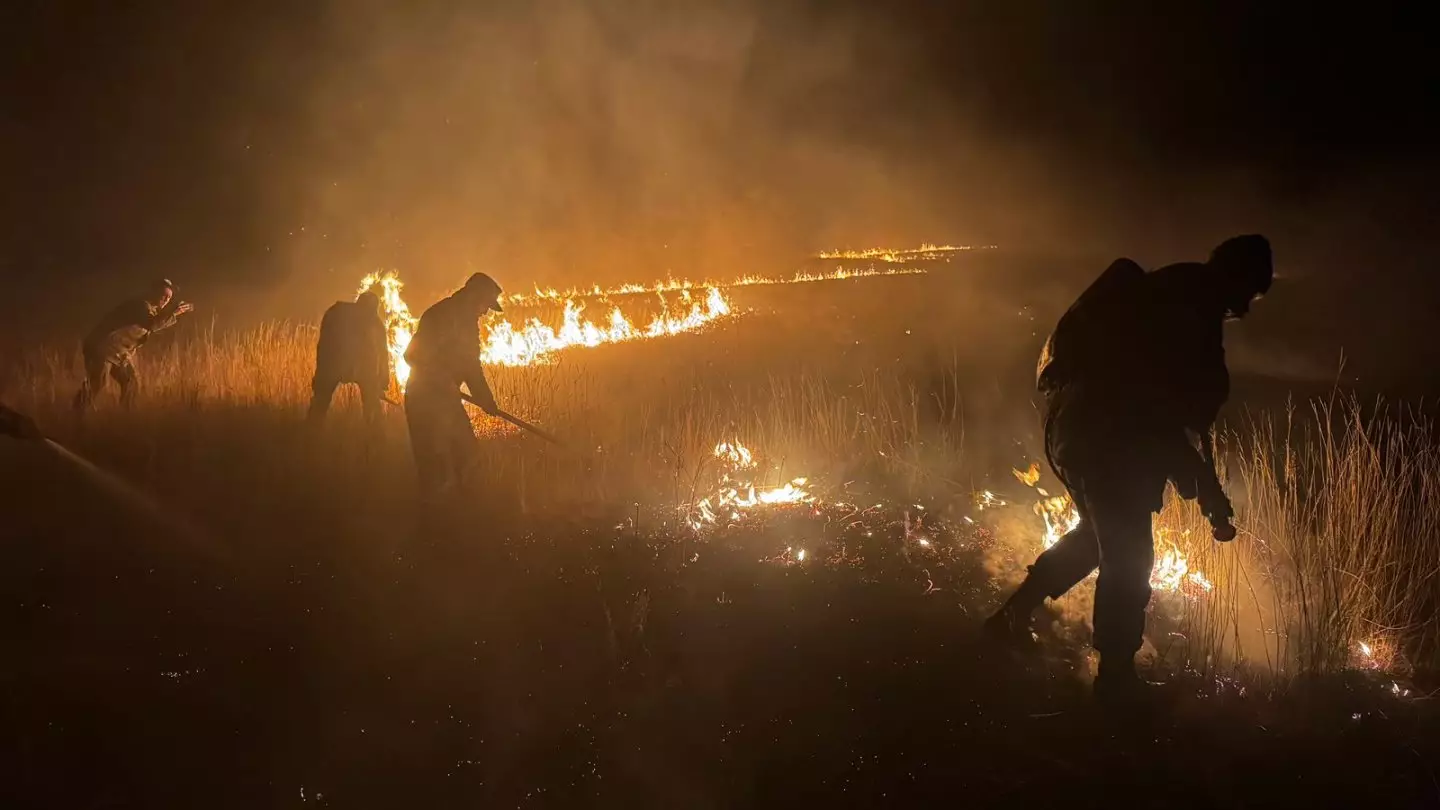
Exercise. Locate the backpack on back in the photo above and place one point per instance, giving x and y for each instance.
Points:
(1098, 334)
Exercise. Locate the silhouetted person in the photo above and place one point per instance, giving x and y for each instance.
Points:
(17, 425)
(1133, 376)
(443, 355)
(353, 348)
(109, 349)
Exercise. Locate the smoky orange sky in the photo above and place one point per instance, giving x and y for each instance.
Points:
(266, 156)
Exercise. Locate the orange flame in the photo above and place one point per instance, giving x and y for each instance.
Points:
(897, 256)
(737, 493)
(1172, 569)
(552, 295)
(532, 343)
(399, 323)
(535, 342)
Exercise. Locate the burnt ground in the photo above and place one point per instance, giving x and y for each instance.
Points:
(483, 660)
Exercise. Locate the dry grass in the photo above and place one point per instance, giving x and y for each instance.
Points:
(1340, 510)
(1338, 564)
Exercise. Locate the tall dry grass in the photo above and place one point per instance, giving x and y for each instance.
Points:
(1338, 564)
(1339, 507)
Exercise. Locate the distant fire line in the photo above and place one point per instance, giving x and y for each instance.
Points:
(551, 296)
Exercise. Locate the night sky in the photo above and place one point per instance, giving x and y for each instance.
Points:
(265, 154)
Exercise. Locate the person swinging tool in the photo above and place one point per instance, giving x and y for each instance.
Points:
(352, 349)
(443, 355)
(1133, 375)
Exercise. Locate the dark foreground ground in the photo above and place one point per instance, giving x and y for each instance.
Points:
(485, 661)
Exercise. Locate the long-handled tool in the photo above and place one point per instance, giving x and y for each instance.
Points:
(516, 421)
(508, 417)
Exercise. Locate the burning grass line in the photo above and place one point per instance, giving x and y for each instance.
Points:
(552, 296)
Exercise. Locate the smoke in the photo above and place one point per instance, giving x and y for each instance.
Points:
(583, 142)
(265, 158)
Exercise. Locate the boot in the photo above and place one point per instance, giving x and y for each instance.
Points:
(1011, 623)
(1119, 686)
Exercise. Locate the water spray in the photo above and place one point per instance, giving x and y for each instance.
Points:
(122, 490)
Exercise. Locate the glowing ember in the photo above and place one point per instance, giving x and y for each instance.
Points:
(507, 345)
(1375, 654)
(1029, 477)
(988, 500)
(737, 494)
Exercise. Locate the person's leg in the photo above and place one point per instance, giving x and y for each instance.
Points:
(1072, 559)
(96, 370)
(322, 390)
(460, 443)
(1127, 554)
(421, 419)
(128, 379)
(372, 397)
(1063, 565)
(1057, 570)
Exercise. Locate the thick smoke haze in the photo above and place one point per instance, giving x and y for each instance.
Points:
(594, 142)
(268, 155)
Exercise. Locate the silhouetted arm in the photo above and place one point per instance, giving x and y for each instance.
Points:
(480, 388)
(1195, 478)
(168, 317)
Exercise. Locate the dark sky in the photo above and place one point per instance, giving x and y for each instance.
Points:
(271, 152)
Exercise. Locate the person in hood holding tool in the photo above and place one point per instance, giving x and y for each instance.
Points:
(109, 349)
(352, 348)
(443, 355)
(1133, 378)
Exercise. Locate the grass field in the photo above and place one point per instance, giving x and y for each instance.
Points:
(569, 636)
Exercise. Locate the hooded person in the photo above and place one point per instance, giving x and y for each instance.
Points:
(109, 349)
(443, 355)
(1133, 377)
(353, 348)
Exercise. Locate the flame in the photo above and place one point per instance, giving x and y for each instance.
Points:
(534, 342)
(1029, 477)
(1172, 569)
(399, 323)
(1060, 516)
(925, 252)
(552, 295)
(507, 345)
(737, 493)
